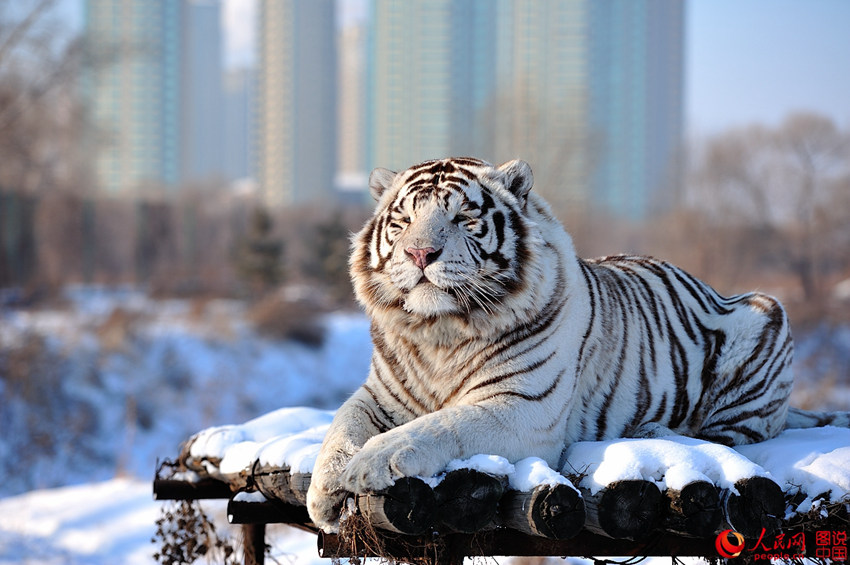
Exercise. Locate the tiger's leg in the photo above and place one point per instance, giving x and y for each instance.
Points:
(425, 445)
(356, 421)
(651, 430)
(749, 396)
(798, 418)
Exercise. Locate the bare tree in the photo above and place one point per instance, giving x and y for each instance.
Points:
(817, 156)
(41, 117)
(783, 191)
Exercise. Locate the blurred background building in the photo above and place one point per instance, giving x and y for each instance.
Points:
(296, 127)
(590, 93)
(138, 105)
(202, 107)
(431, 72)
(635, 76)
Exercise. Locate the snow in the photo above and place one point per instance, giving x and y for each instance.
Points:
(88, 524)
(292, 437)
(111, 406)
(244, 496)
(814, 461)
(108, 523)
(289, 437)
(118, 403)
(532, 472)
(490, 464)
(670, 462)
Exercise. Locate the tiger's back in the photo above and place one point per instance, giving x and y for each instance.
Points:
(663, 347)
(491, 336)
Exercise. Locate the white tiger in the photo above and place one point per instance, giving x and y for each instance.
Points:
(491, 336)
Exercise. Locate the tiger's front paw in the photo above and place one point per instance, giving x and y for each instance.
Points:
(324, 507)
(326, 494)
(385, 459)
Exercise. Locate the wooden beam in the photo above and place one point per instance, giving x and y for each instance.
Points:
(169, 489)
(268, 512)
(505, 541)
(254, 544)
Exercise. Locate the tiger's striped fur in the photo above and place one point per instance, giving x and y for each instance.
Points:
(491, 336)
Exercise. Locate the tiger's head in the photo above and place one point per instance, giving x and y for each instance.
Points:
(449, 238)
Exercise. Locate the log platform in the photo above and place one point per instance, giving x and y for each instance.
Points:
(471, 513)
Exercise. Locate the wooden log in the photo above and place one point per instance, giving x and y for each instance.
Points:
(282, 484)
(171, 489)
(694, 510)
(246, 511)
(299, 484)
(275, 483)
(758, 506)
(407, 507)
(254, 543)
(467, 500)
(515, 543)
(555, 512)
(624, 509)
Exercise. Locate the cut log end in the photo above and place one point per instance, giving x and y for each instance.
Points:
(407, 507)
(695, 510)
(467, 500)
(554, 512)
(625, 509)
(558, 512)
(759, 506)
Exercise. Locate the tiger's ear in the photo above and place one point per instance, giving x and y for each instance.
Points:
(517, 177)
(379, 181)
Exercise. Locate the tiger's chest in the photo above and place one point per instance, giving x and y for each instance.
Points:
(439, 375)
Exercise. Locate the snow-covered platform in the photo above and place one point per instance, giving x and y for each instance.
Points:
(668, 496)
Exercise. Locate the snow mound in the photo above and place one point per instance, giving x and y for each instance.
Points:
(88, 524)
(814, 461)
(670, 462)
(289, 437)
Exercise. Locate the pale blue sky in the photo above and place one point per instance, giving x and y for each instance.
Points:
(756, 60)
(747, 60)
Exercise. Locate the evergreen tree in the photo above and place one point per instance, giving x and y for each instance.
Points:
(328, 257)
(258, 260)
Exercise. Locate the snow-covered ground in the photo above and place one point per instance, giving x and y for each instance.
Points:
(101, 389)
(108, 523)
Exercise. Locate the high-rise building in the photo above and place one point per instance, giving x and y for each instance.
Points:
(636, 78)
(202, 96)
(135, 101)
(431, 74)
(588, 91)
(352, 101)
(156, 106)
(238, 122)
(540, 106)
(296, 109)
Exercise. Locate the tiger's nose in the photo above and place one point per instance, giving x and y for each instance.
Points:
(423, 256)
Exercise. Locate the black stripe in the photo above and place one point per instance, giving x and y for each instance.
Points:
(533, 397)
(496, 379)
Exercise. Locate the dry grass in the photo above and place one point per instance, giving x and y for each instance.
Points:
(278, 318)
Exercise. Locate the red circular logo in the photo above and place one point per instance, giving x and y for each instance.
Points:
(725, 545)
